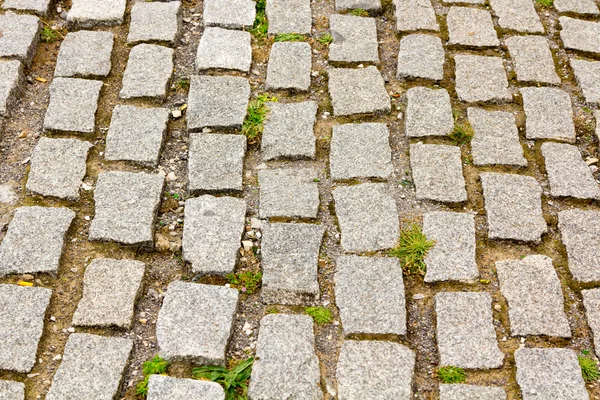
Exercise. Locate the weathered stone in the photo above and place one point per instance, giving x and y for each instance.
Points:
(136, 134)
(585, 7)
(35, 239)
(597, 118)
(289, 131)
(358, 91)
(289, 66)
(549, 373)
(548, 114)
(471, 27)
(289, 16)
(155, 22)
(587, 74)
(375, 370)
(224, 49)
(11, 76)
(232, 14)
(535, 299)
(568, 174)
(217, 102)
(8, 195)
(496, 138)
(517, 15)
(39, 7)
(532, 59)
(73, 105)
(148, 72)
(354, 38)
(85, 54)
(360, 151)
(591, 301)
(92, 13)
(290, 255)
(212, 232)
(58, 167)
(481, 78)
(126, 206)
(415, 15)
(22, 311)
(512, 216)
(341, 5)
(286, 366)
(369, 293)
(421, 56)
(288, 192)
(471, 392)
(464, 1)
(216, 162)
(92, 367)
(20, 36)
(162, 387)
(110, 289)
(452, 257)
(580, 233)
(577, 34)
(428, 112)
(11, 390)
(367, 216)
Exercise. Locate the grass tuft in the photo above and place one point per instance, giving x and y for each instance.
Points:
(260, 28)
(462, 134)
(545, 3)
(589, 368)
(325, 39)
(359, 12)
(319, 314)
(411, 250)
(290, 37)
(257, 112)
(182, 83)
(48, 35)
(154, 366)
(234, 380)
(451, 374)
(247, 281)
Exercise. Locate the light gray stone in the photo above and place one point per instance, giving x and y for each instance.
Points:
(452, 258)
(92, 367)
(354, 38)
(216, 162)
(126, 206)
(481, 79)
(217, 102)
(73, 105)
(471, 27)
(581, 35)
(11, 76)
(585, 7)
(532, 59)
(464, 1)
(421, 56)
(289, 16)
(289, 66)
(39, 7)
(22, 312)
(471, 392)
(288, 192)
(136, 134)
(587, 74)
(428, 112)
(591, 302)
(224, 49)
(568, 174)
(232, 14)
(369, 293)
(8, 195)
(212, 232)
(465, 333)
(360, 151)
(534, 295)
(549, 373)
(58, 167)
(415, 15)
(162, 387)
(20, 36)
(496, 138)
(290, 256)
(93, 13)
(289, 131)
(85, 54)
(35, 240)
(513, 204)
(597, 118)
(11, 390)
(110, 289)
(358, 91)
(580, 233)
(286, 366)
(341, 5)
(517, 15)
(148, 72)
(548, 114)
(375, 370)
(155, 22)
(367, 216)
(195, 322)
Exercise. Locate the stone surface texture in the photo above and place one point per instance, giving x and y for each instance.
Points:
(341, 5)
(358, 91)
(287, 192)
(85, 54)
(93, 13)
(148, 72)
(591, 302)
(166, 388)
(421, 56)
(11, 390)
(289, 66)
(532, 59)
(39, 7)
(578, 34)
(471, 27)
(354, 39)
(224, 49)
(548, 114)
(587, 74)
(584, 7)
(471, 392)
(580, 233)
(415, 15)
(481, 79)
(289, 131)
(517, 15)
(20, 36)
(155, 22)
(232, 14)
(11, 76)
(289, 16)
(428, 113)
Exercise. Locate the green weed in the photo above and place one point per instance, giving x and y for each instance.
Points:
(182, 83)
(359, 12)
(290, 37)
(452, 374)
(247, 281)
(234, 380)
(260, 29)
(411, 250)
(48, 35)
(156, 365)
(257, 112)
(589, 367)
(545, 3)
(320, 315)
(462, 134)
(325, 39)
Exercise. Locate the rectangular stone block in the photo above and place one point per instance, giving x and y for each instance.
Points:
(532, 59)
(578, 34)
(39, 7)
(584, 7)
(289, 16)
(568, 174)
(587, 74)
(548, 114)
(354, 38)
(481, 79)
(289, 66)
(428, 113)
(93, 13)
(11, 77)
(20, 36)
(162, 387)
(580, 233)
(471, 27)
(517, 15)
(358, 91)
(231, 14)
(421, 56)
(155, 22)
(341, 5)
(471, 392)
(289, 131)
(591, 302)
(288, 192)
(85, 54)
(148, 72)
(415, 15)
(11, 390)
(224, 49)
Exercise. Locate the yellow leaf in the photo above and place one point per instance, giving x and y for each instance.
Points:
(24, 283)
(37, 78)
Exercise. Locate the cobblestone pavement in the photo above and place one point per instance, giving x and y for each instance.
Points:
(128, 195)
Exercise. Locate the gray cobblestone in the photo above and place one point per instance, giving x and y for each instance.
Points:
(415, 15)
(341, 5)
(92, 13)
(155, 22)
(578, 34)
(580, 233)
(232, 14)
(548, 114)
(471, 392)
(481, 79)
(517, 15)
(471, 27)
(288, 192)
(85, 54)
(224, 49)
(428, 113)
(354, 38)
(20, 36)
(587, 74)
(166, 388)
(532, 59)
(39, 7)
(421, 56)
(358, 91)
(585, 7)
(148, 72)
(289, 66)
(11, 76)
(11, 390)
(289, 131)
(289, 16)
(591, 302)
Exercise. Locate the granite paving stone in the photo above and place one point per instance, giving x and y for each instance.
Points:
(289, 131)
(35, 239)
(195, 322)
(367, 216)
(288, 192)
(58, 167)
(212, 232)
(289, 16)
(162, 387)
(471, 392)
(549, 373)
(358, 91)
(126, 207)
(22, 313)
(421, 56)
(155, 22)
(517, 15)
(370, 5)
(452, 258)
(584, 7)
(11, 77)
(20, 36)
(11, 390)
(481, 79)
(496, 138)
(587, 74)
(591, 302)
(85, 54)
(136, 134)
(92, 367)
(581, 35)
(464, 1)
(216, 162)
(471, 27)
(532, 59)
(39, 7)
(597, 118)
(375, 370)
(534, 295)
(289, 66)
(354, 38)
(513, 205)
(224, 49)
(8, 195)
(286, 366)
(148, 72)
(290, 255)
(428, 112)
(232, 14)
(415, 15)
(110, 289)
(580, 233)
(548, 114)
(370, 295)
(94, 13)
(360, 151)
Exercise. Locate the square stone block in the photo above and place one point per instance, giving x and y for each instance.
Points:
(20, 36)
(587, 74)
(584, 7)
(358, 91)
(161, 387)
(289, 16)
(580, 233)
(289, 66)
(580, 35)
(421, 56)
(428, 113)
(224, 49)
(93, 13)
(232, 14)
(591, 302)
(11, 77)
(548, 114)
(39, 7)
(481, 79)
(289, 131)
(288, 192)
(354, 39)
(12, 390)
(471, 27)
(532, 59)
(85, 54)
(155, 22)
(517, 15)
(341, 5)
(415, 15)
(148, 72)
(471, 392)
